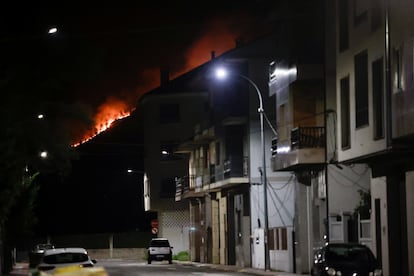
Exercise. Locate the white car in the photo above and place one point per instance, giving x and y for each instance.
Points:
(159, 250)
(64, 257)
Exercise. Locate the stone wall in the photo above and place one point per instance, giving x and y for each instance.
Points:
(138, 254)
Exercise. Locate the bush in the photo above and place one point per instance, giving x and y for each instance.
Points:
(181, 256)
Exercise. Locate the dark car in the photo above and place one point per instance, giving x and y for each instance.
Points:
(345, 259)
(159, 250)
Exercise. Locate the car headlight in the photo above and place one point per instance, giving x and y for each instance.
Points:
(330, 271)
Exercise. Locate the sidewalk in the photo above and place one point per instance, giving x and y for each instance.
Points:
(22, 269)
(19, 269)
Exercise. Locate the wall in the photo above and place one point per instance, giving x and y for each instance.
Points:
(175, 226)
(223, 229)
(138, 254)
(410, 219)
(378, 191)
(361, 140)
(343, 186)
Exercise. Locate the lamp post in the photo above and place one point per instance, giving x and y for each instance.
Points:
(222, 73)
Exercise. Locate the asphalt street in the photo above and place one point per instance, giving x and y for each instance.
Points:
(114, 266)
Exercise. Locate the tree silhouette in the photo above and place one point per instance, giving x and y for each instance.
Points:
(33, 119)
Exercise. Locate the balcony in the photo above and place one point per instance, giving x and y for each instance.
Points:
(307, 147)
(186, 187)
(234, 171)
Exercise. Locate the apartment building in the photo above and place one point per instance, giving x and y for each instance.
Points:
(338, 101)
(168, 114)
(374, 85)
(231, 222)
(225, 157)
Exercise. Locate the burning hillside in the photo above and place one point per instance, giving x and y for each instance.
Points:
(220, 36)
(109, 112)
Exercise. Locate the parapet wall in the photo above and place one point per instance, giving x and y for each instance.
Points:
(138, 254)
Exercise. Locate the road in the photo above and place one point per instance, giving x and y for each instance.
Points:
(129, 268)
(118, 267)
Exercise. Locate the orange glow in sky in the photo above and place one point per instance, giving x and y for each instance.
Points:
(112, 110)
(216, 38)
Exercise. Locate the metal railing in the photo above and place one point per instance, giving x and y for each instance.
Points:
(307, 137)
(184, 184)
(235, 166)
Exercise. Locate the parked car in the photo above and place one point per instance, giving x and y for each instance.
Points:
(64, 257)
(345, 259)
(36, 254)
(159, 249)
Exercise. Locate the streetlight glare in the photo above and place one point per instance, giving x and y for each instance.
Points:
(221, 73)
(43, 154)
(52, 30)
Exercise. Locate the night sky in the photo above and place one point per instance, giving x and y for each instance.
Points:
(117, 49)
(103, 54)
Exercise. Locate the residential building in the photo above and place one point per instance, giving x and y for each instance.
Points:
(224, 184)
(168, 114)
(374, 63)
(220, 191)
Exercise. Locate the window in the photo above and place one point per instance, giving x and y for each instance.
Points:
(343, 25)
(345, 113)
(378, 97)
(361, 89)
(204, 158)
(169, 113)
(167, 189)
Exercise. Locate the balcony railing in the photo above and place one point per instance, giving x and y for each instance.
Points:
(183, 185)
(307, 147)
(307, 137)
(235, 166)
(192, 186)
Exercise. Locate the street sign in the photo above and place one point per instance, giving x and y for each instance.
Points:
(154, 231)
(154, 223)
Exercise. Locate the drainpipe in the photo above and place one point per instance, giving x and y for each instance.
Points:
(388, 89)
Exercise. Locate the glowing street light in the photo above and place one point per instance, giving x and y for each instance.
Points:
(52, 30)
(43, 154)
(222, 73)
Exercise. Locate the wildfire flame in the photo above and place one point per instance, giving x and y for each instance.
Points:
(109, 112)
(198, 53)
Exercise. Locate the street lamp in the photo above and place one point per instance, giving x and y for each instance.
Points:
(52, 30)
(222, 73)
